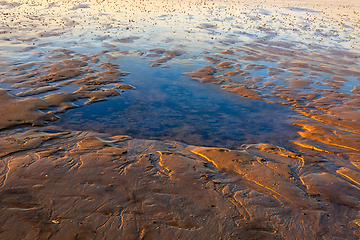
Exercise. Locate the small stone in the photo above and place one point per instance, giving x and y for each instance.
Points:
(38, 186)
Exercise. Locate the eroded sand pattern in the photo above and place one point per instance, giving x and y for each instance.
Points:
(59, 182)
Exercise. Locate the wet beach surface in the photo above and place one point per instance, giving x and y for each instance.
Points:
(167, 105)
(166, 119)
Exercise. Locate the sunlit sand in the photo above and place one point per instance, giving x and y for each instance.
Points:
(179, 119)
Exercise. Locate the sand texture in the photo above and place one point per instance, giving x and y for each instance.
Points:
(81, 185)
(179, 119)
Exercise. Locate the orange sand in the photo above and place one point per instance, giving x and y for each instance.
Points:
(85, 185)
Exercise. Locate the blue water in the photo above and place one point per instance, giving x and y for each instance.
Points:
(168, 105)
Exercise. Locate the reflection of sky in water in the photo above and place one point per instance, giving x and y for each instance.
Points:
(167, 103)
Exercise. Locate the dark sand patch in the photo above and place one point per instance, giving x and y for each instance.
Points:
(212, 60)
(125, 86)
(159, 52)
(244, 91)
(226, 64)
(254, 67)
(300, 82)
(37, 91)
(274, 71)
(17, 112)
(205, 74)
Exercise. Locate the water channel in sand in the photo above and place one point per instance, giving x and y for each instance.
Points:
(242, 118)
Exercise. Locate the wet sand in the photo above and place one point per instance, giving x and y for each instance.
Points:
(62, 183)
(90, 186)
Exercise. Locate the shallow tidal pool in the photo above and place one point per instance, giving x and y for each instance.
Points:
(172, 119)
